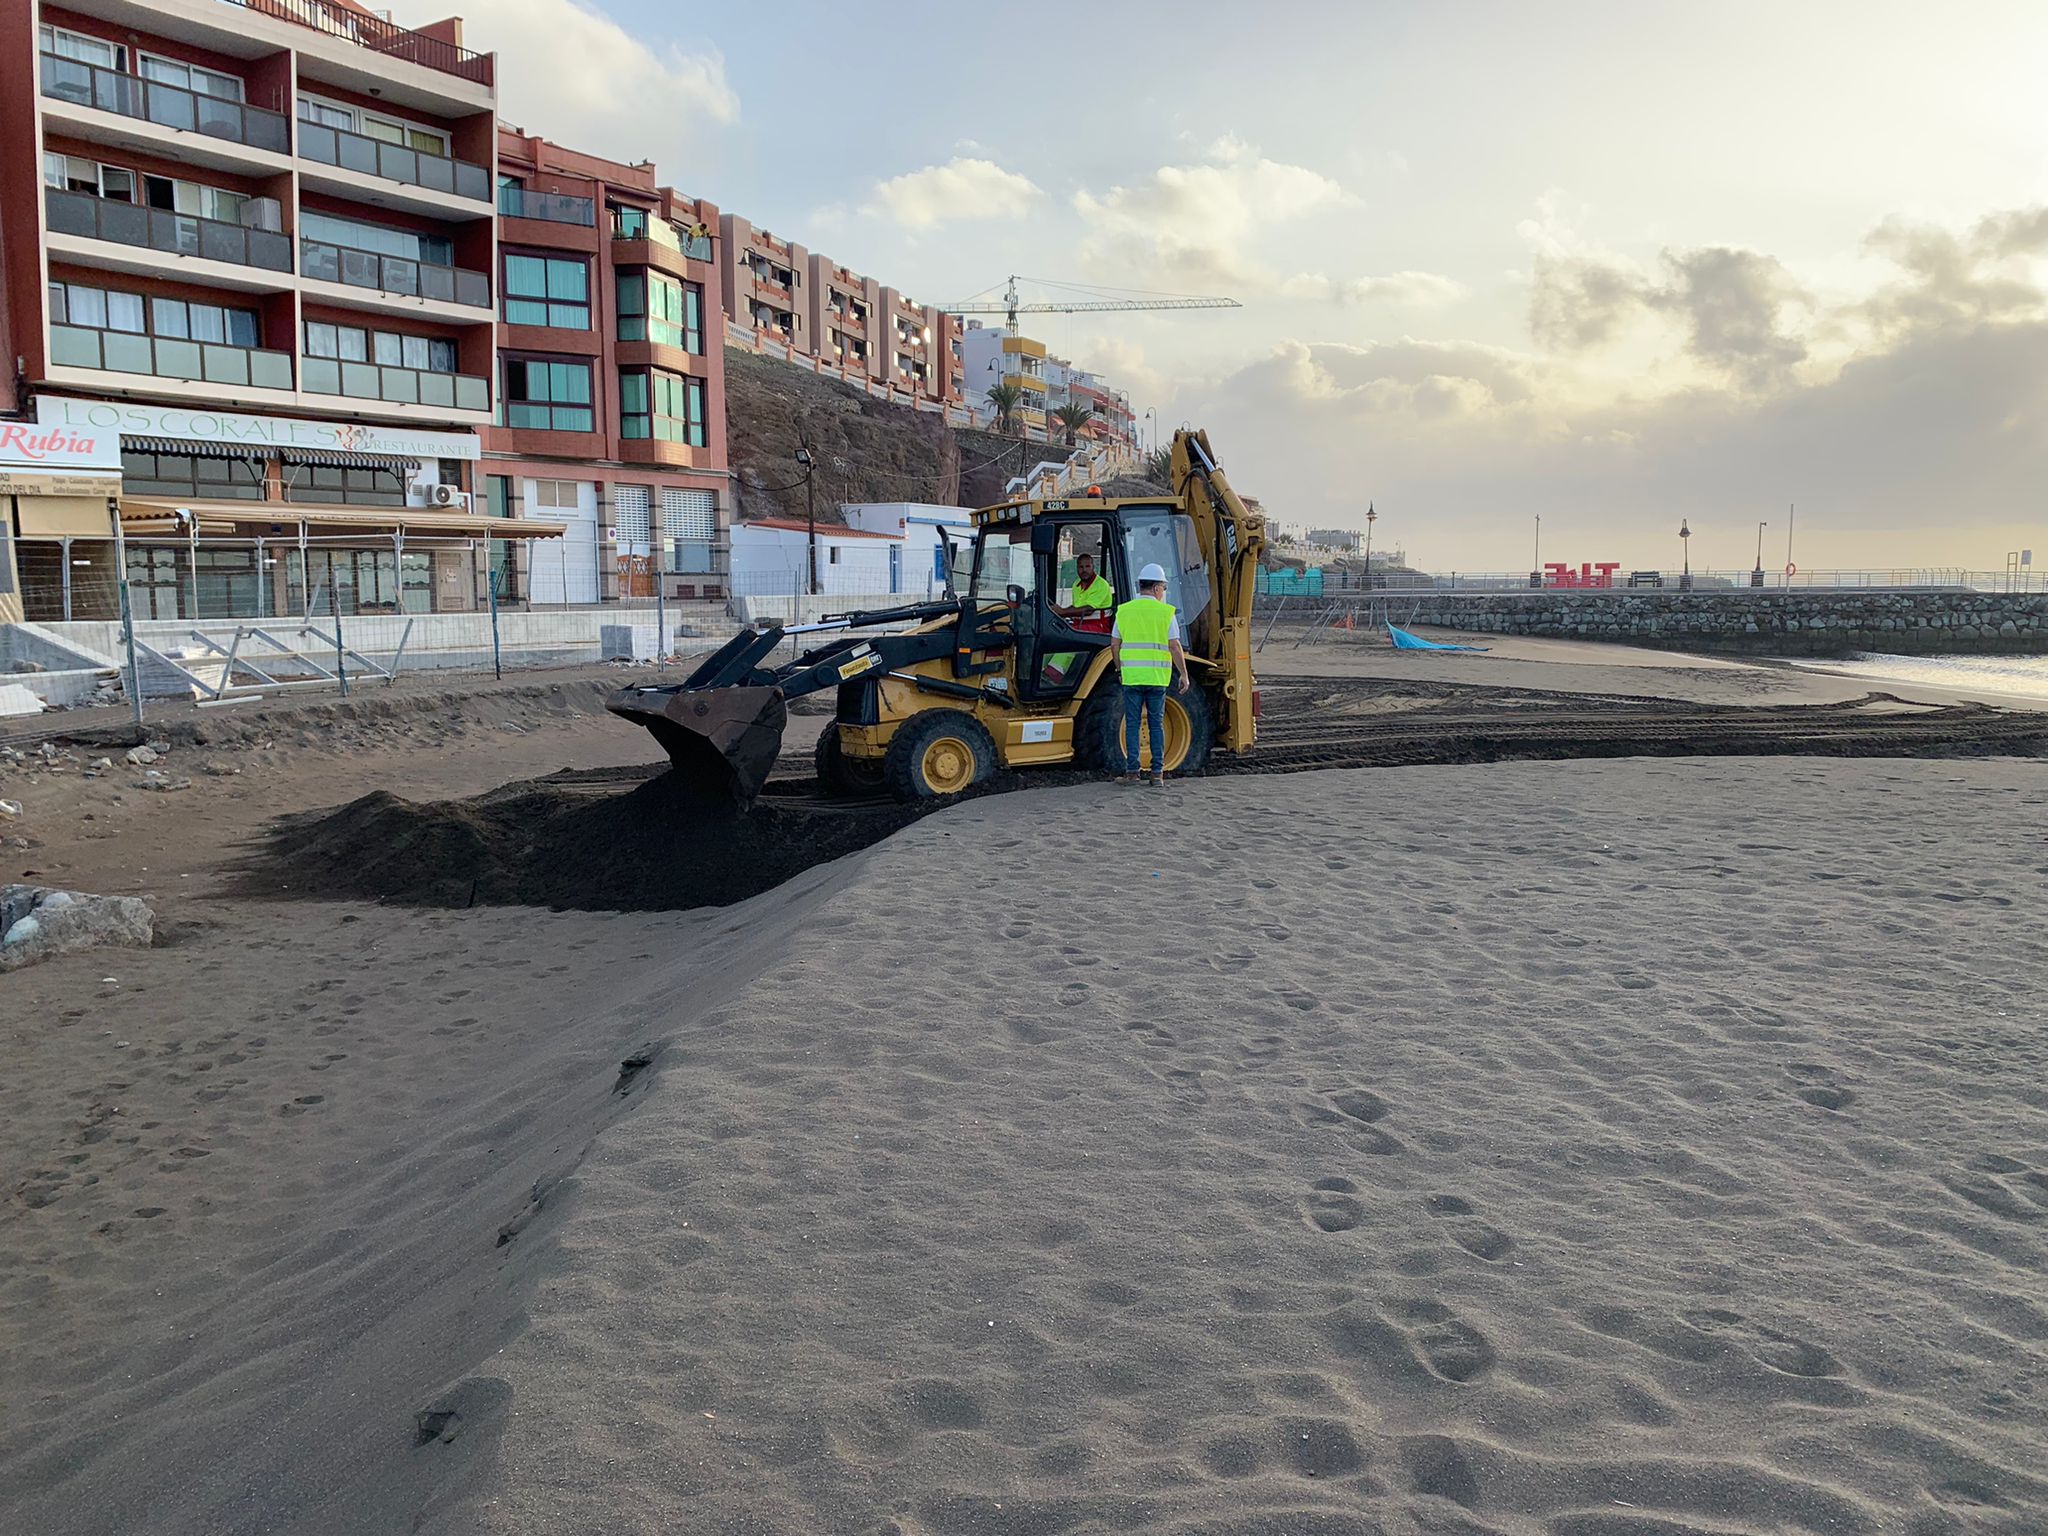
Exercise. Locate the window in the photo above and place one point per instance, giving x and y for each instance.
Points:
(87, 50)
(190, 77)
(406, 244)
(633, 515)
(358, 344)
(74, 174)
(657, 308)
(558, 495)
(546, 290)
(188, 321)
(192, 476)
(551, 396)
(629, 223)
(1002, 559)
(194, 198)
(102, 308)
(366, 485)
(664, 406)
(373, 125)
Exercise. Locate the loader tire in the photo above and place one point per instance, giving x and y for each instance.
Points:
(1190, 730)
(938, 754)
(841, 776)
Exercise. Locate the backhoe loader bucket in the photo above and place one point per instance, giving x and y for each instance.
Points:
(723, 741)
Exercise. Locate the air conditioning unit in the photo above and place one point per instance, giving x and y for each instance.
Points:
(263, 213)
(447, 496)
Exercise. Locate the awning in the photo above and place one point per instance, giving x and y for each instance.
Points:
(281, 519)
(191, 450)
(341, 456)
(61, 517)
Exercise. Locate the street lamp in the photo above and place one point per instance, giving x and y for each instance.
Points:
(803, 459)
(1152, 415)
(1756, 577)
(1371, 517)
(1685, 546)
(1536, 568)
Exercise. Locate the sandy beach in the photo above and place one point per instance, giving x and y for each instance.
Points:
(1625, 1148)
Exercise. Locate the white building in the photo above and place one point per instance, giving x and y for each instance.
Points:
(771, 558)
(920, 527)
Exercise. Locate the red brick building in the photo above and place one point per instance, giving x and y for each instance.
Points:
(611, 383)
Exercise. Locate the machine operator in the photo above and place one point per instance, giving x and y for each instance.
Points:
(1093, 600)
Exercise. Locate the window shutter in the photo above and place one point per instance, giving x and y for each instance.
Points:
(633, 514)
(691, 515)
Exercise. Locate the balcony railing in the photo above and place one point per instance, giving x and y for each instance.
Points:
(394, 162)
(393, 274)
(400, 386)
(638, 224)
(168, 106)
(376, 34)
(158, 229)
(81, 346)
(553, 207)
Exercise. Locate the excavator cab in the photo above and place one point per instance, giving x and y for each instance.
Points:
(935, 698)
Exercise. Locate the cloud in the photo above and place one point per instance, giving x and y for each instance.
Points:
(575, 76)
(1202, 224)
(1413, 290)
(1742, 312)
(962, 188)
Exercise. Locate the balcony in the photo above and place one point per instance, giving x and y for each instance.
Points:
(398, 386)
(168, 106)
(639, 224)
(393, 274)
(79, 346)
(158, 229)
(392, 162)
(551, 207)
(353, 25)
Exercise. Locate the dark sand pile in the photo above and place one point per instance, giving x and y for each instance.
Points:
(608, 841)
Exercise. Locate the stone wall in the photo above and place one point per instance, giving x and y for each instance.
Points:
(1818, 623)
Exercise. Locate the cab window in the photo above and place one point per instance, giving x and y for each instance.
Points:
(1167, 538)
(1002, 560)
(1076, 540)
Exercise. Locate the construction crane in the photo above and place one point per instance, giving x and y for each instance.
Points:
(1090, 300)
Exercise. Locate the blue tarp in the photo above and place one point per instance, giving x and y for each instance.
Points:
(1403, 641)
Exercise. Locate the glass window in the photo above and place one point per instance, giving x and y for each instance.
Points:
(355, 234)
(390, 130)
(1002, 559)
(87, 50)
(546, 290)
(440, 356)
(125, 313)
(192, 477)
(388, 348)
(653, 307)
(667, 407)
(167, 317)
(209, 322)
(548, 395)
(322, 340)
(327, 114)
(413, 349)
(355, 343)
(191, 77)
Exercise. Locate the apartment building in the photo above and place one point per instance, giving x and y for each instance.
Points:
(256, 239)
(1110, 419)
(611, 379)
(798, 299)
(991, 356)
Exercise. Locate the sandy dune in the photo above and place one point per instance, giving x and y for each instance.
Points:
(1632, 1148)
(1595, 1150)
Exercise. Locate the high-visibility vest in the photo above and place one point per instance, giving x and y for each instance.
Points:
(1096, 594)
(1143, 627)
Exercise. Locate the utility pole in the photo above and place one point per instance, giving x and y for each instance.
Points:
(1536, 568)
(1371, 517)
(803, 457)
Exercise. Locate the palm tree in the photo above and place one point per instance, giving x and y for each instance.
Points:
(1159, 466)
(1073, 417)
(1002, 399)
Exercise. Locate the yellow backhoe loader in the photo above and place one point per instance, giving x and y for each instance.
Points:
(995, 676)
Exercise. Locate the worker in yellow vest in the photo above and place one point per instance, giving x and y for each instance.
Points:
(1145, 641)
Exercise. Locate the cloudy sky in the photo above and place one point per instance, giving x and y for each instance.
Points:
(1613, 264)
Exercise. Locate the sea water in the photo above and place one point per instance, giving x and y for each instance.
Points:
(2026, 675)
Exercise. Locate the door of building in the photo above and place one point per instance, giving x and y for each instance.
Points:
(564, 569)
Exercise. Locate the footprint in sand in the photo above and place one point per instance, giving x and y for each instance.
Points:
(2003, 1186)
(1353, 1110)
(1468, 1232)
(1783, 1352)
(1451, 1347)
(1331, 1207)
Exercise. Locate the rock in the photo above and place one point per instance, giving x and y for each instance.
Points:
(100, 764)
(163, 783)
(37, 922)
(10, 808)
(142, 756)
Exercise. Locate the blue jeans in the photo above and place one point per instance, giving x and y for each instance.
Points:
(1150, 705)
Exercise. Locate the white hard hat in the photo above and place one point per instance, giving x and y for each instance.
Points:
(1152, 573)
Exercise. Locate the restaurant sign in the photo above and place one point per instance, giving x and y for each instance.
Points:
(38, 460)
(259, 434)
